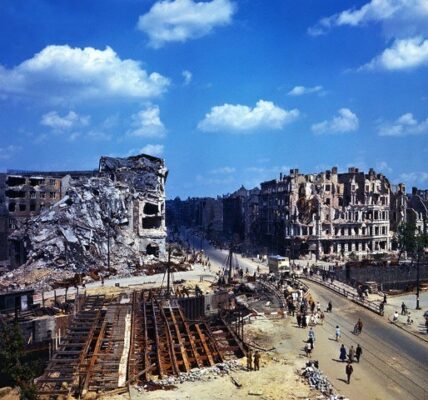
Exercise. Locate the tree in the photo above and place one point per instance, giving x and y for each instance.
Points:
(406, 238)
(12, 360)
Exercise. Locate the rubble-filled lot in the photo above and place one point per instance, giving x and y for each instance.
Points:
(116, 218)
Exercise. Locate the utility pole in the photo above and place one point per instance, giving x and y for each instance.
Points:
(317, 227)
(230, 264)
(168, 273)
(417, 280)
(108, 240)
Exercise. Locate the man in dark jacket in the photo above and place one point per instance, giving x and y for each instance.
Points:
(358, 352)
(349, 370)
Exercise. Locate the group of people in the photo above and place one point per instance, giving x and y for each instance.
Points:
(349, 356)
(253, 360)
(352, 355)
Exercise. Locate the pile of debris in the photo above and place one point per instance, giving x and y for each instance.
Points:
(317, 380)
(197, 374)
(101, 218)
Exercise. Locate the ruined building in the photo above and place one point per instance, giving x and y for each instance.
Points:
(82, 220)
(328, 213)
(409, 208)
(351, 214)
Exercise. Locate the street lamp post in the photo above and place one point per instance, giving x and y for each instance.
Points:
(417, 282)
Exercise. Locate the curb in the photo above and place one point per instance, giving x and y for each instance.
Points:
(418, 335)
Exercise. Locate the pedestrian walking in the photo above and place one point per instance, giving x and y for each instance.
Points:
(250, 360)
(311, 334)
(318, 306)
(304, 321)
(338, 334)
(384, 298)
(310, 341)
(342, 354)
(312, 307)
(329, 307)
(308, 349)
(351, 354)
(322, 316)
(358, 353)
(299, 319)
(349, 370)
(256, 361)
(403, 308)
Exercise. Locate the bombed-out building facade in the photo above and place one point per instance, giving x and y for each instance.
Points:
(79, 219)
(352, 214)
(334, 213)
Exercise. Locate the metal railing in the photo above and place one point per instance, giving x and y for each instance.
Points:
(376, 307)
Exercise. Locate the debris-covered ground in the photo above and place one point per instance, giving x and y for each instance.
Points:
(280, 375)
(116, 217)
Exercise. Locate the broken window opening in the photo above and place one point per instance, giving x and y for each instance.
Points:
(12, 207)
(153, 250)
(32, 206)
(15, 194)
(36, 181)
(15, 181)
(152, 222)
(22, 207)
(150, 209)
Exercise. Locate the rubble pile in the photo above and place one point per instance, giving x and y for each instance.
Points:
(101, 217)
(317, 380)
(203, 374)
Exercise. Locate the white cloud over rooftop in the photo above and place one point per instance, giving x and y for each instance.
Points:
(344, 121)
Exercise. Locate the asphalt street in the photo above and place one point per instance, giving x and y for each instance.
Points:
(394, 363)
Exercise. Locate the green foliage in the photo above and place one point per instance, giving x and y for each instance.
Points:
(409, 241)
(11, 360)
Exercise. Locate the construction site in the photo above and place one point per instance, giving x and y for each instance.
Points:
(143, 340)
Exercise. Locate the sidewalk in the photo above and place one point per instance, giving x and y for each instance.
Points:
(417, 328)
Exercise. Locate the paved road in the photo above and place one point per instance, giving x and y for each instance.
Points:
(218, 257)
(394, 363)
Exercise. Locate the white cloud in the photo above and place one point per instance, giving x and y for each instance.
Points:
(412, 178)
(60, 123)
(403, 54)
(202, 180)
(383, 166)
(9, 151)
(240, 118)
(147, 123)
(404, 126)
(180, 20)
(153, 149)
(223, 170)
(398, 17)
(187, 75)
(301, 90)
(62, 73)
(346, 121)
(99, 135)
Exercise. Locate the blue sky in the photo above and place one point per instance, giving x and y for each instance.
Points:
(229, 92)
